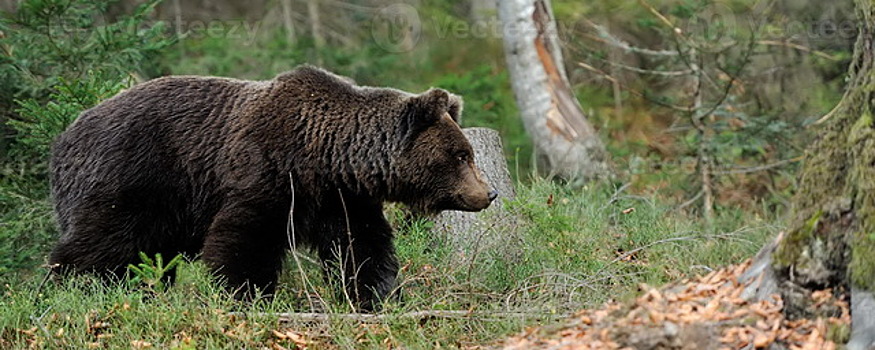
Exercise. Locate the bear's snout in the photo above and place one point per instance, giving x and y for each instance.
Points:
(475, 201)
(474, 193)
(493, 195)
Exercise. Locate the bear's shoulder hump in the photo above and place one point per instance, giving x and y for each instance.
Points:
(312, 75)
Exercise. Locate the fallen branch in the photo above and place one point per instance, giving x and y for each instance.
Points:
(691, 200)
(726, 235)
(286, 317)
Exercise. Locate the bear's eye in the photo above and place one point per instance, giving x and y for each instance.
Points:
(462, 157)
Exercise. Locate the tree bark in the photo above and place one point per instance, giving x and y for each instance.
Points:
(565, 143)
(830, 242)
(288, 23)
(471, 232)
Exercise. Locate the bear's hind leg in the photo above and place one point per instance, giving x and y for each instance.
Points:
(99, 237)
(84, 253)
(245, 245)
(106, 239)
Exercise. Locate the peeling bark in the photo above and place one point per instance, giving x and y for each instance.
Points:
(566, 144)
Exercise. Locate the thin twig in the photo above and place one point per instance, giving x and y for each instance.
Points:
(616, 196)
(697, 120)
(798, 47)
(350, 6)
(759, 168)
(631, 90)
(39, 288)
(651, 244)
(614, 41)
(674, 29)
(691, 200)
(667, 240)
(351, 257)
(830, 113)
(618, 191)
(293, 245)
(38, 321)
(664, 73)
(579, 283)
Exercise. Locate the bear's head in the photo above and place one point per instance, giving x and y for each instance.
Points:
(437, 161)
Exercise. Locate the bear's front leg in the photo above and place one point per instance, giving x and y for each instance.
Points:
(245, 245)
(357, 237)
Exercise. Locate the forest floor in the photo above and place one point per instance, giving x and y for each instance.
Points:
(714, 311)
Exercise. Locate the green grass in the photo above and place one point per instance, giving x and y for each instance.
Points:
(562, 257)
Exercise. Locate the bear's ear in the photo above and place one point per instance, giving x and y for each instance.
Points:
(455, 108)
(429, 107)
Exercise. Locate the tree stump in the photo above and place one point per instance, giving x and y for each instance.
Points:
(471, 232)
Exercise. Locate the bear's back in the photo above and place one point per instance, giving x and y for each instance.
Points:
(160, 112)
(161, 129)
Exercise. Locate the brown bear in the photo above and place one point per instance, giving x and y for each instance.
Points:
(238, 170)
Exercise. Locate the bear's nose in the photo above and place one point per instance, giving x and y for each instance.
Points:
(493, 195)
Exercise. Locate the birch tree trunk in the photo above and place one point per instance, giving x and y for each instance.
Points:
(830, 242)
(565, 143)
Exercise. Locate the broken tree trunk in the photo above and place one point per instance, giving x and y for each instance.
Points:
(830, 242)
(565, 143)
(471, 232)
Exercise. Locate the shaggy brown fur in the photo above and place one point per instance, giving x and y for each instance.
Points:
(207, 165)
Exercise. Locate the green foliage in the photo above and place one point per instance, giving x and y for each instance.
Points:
(152, 273)
(66, 50)
(49, 40)
(57, 58)
(263, 53)
(705, 89)
(39, 123)
(26, 223)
